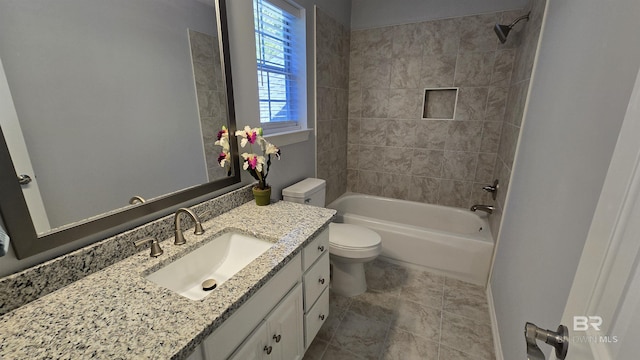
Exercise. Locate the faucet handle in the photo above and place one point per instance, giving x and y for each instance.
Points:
(493, 189)
(156, 250)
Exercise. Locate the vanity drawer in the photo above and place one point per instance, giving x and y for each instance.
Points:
(314, 319)
(316, 279)
(313, 250)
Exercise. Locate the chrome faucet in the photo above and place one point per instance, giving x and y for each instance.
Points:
(486, 208)
(176, 222)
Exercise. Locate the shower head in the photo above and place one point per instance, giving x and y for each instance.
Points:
(503, 30)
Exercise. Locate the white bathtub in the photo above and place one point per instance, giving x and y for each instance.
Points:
(451, 241)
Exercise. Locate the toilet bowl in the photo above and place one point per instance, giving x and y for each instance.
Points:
(350, 246)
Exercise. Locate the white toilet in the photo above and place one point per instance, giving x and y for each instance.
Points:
(350, 246)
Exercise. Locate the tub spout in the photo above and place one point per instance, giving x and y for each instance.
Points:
(486, 208)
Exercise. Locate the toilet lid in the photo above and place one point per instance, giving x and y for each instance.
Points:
(352, 236)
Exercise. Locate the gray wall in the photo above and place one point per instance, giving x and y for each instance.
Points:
(376, 13)
(298, 160)
(125, 69)
(579, 94)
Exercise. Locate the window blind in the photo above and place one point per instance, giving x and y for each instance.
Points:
(277, 63)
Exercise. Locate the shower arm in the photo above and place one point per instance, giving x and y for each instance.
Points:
(523, 17)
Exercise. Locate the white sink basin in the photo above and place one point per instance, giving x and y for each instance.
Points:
(218, 259)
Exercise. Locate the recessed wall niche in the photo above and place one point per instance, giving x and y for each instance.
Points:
(440, 103)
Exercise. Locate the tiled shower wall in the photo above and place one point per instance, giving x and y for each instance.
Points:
(332, 57)
(212, 96)
(395, 153)
(528, 43)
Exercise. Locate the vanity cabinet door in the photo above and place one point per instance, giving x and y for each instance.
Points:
(231, 334)
(255, 347)
(280, 336)
(286, 328)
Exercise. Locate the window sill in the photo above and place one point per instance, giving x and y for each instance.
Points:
(288, 137)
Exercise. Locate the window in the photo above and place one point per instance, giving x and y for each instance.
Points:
(279, 28)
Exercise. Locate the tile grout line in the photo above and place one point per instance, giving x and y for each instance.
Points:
(335, 331)
(477, 321)
(344, 314)
(323, 352)
(384, 341)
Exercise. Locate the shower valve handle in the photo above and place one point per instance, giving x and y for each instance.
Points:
(493, 189)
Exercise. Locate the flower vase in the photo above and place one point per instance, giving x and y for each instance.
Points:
(263, 197)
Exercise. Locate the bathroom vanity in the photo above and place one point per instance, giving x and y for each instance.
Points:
(283, 317)
(276, 304)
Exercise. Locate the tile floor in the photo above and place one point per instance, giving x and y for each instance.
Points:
(406, 314)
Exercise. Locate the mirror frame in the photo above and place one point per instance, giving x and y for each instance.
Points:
(15, 213)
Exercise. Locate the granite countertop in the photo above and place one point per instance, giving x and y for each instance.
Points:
(116, 313)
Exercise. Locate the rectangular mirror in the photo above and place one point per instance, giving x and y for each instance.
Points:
(114, 101)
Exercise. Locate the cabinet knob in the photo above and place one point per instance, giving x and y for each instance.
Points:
(321, 281)
(321, 317)
(268, 349)
(277, 338)
(321, 248)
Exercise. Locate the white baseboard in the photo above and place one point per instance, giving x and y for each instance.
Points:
(497, 347)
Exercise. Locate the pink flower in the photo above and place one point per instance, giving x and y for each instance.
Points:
(253, 162)
(257, 165)
(223, 139)
(223, 158)
(223, 133)
(249, 135)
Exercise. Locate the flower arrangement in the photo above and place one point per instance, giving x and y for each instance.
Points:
(224, 158)
(257, 165)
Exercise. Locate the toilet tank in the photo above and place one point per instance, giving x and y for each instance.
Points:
(309, 191)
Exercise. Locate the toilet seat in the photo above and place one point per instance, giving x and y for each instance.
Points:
(353, 241)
